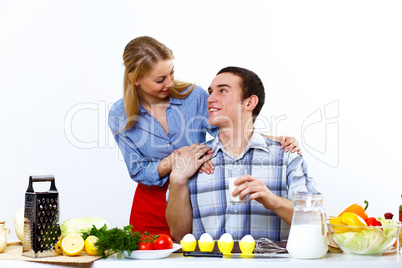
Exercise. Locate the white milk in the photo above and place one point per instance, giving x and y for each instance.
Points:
(232, 186)
(306, 242)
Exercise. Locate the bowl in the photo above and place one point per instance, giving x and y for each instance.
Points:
(365, 240)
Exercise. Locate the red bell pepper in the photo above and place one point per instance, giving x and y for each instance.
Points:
(373, 222)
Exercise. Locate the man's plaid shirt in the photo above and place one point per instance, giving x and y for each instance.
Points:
(283, 173)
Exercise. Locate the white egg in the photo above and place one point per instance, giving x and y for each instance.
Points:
(188, 238)
(226, 237)
(205, 237)
(247, 238)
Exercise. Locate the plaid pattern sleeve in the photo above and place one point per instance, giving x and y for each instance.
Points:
(297, 176)
(281, 172)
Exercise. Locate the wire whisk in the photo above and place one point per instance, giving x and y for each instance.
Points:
(267, 247)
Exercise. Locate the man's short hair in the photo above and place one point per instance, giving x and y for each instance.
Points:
(251, 85)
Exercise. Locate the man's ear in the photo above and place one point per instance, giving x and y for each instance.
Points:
(251, 102)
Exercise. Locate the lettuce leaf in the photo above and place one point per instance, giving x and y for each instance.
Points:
(369, 241)
(390, 231)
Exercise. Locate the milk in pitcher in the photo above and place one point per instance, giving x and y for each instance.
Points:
(307, 242)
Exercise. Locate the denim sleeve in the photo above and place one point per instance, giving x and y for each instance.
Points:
(297, 177)
(142, 169)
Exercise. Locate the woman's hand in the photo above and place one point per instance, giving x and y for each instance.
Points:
(290, 143)
(207, 167)
(188, 160)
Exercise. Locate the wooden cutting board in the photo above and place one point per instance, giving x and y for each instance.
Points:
(14, 252)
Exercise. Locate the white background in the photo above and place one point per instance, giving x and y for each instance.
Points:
(332, 72)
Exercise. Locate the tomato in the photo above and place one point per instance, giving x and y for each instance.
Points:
(145, 246)
(164, 241)
(146, 236)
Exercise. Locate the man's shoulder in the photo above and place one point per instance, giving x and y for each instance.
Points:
(270, 141)
(273, 148)
(267, 143)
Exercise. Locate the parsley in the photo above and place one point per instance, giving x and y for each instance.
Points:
(114, 240)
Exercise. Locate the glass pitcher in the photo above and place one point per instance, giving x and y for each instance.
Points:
(307, 237)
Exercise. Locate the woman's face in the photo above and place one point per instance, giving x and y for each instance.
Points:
(156, 84)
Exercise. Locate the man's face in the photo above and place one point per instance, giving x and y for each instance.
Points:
(225, 100)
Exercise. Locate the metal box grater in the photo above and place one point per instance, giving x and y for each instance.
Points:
(41, 220)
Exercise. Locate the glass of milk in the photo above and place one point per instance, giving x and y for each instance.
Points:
(234, 172)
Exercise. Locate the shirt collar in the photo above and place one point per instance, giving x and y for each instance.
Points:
(256, 141)
(172, 100)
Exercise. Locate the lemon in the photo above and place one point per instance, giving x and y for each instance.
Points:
(72, 245)
(57, 247)
(89, 245)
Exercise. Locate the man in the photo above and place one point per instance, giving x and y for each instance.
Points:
(200, 203)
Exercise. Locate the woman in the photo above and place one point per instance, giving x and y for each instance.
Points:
(157, 117)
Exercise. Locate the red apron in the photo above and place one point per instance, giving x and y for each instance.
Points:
(148, 210)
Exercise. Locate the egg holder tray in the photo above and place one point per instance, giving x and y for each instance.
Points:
(264, 248)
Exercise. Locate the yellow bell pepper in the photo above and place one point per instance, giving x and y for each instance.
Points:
(338, 229)
(348, 219)
(352, 219)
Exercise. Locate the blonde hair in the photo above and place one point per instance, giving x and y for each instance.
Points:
(140, 56)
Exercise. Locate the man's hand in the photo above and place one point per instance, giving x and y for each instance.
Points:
(258, 191)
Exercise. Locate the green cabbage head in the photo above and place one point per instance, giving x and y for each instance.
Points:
(81, 225)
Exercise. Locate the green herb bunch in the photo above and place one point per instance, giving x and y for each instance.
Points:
(114, 240)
